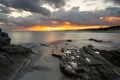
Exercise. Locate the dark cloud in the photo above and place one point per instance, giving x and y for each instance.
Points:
(3, 19)
(86, 17)
(4, 10)
(114, 11)
(33, 5)
(73, 15)
(116, 2)
(3, 14)
(56, 3)
(28, 21)
(28, 5)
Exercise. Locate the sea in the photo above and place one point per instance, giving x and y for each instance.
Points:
(80, 38)
(110, 40)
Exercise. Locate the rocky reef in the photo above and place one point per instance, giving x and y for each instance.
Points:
(89, 63)
(12, 57)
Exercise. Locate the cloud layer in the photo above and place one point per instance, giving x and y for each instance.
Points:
(43, 16)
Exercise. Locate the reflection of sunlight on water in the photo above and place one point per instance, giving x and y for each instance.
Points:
(50, 37)
(81, 38)
(19, 37)
(37, 37)
(46, 60)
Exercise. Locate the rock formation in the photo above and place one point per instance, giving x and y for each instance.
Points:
(4, 39)
(12, 57)
(89, 63)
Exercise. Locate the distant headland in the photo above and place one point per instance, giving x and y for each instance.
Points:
(116, 27)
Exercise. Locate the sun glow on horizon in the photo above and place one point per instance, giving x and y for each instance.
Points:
(66, 25)
(59, 28)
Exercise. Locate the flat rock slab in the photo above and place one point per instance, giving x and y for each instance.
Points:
(12, 59)
(88, 63)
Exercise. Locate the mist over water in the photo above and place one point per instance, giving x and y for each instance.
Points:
(79, 38)
(35, 37)
(48, 66)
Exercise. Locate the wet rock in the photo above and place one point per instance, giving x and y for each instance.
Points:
(56, 55)
(95, 40)
(90, 65)
(68, 40)
(112, 56)
(46, 45)
(12, 57)
(62, 49)
(99, 41)
(41, 68)
(4, 39)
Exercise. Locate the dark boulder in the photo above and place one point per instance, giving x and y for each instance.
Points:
(68, 40)
(4, 39)
(12, 57)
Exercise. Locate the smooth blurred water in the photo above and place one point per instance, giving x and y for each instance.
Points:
(35, 37)
(79, 39)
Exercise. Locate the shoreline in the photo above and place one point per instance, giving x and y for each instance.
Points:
(35, 58)
(16, 57)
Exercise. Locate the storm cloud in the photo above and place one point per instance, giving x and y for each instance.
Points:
(4, 9)
(43, 16)
(33, 5)
(116, 2)
(28, 5)
(56, 3)
(114, 11)
(73, 15)
(86, 17)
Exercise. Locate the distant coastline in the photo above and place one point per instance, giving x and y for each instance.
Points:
(102, 29)
(117, 27)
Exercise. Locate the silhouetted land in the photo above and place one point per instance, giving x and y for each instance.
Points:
(111, 28)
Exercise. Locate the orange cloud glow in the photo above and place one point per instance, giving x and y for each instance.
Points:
(64, 26)
(112, 19)
(59, 26)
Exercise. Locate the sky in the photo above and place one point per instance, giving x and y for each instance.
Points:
(50, 15)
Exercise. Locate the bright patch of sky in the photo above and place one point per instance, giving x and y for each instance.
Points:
(47, 6)
(18, 13)
(90, 5)
(2, 5)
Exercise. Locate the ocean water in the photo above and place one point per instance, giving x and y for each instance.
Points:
(35, 37)
(79, 38)
(49, 64)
